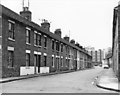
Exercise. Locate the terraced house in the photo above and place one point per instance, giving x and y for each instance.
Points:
(29, 48)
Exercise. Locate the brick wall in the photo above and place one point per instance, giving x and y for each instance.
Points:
(0, 42)
(119, 40)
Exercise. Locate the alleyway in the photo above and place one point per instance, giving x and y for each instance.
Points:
(74, 82)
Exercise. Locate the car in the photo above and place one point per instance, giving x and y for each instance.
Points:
(105, 66)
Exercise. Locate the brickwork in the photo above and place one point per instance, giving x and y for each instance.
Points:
(119, 41)
(0, 42)
(116, 41)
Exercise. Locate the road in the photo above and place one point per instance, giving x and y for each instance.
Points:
(74, 82)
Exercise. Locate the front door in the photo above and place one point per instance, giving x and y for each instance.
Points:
(35, 63)
(39, 62)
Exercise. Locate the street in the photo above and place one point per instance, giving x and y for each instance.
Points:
(74, 82)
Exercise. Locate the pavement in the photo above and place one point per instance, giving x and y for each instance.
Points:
(4, 80)
(108, 80)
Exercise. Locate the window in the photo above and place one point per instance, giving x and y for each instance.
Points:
(10, 58)
(52, 61)
(57, 46)
(53, 44)
(66, 49)
(66, 62)
(61, 47)
(27, 59)
(37, 39)
(62, 62)
(45, 60)
(45, 41)
(27, 36)
(11, 30)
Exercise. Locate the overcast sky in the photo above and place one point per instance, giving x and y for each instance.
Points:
(89, 21)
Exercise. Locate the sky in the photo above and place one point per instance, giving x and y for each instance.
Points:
(88, 22)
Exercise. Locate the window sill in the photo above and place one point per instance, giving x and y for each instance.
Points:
(28, 43)
(11, 39)
(45, 47)
(37, 46)
(10, 67)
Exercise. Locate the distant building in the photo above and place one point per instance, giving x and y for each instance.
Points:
(97, 55)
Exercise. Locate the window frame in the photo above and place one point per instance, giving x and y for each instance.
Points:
(39, 39)
(11, 29)
(53, 44)
(61, 62)
(57, 46)
(28, 40)
(27, 60)
(10, 58)
(45, 60)
(45, 41)
(53, 61)
(61, 47)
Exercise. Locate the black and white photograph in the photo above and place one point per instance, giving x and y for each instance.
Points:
(60, 47)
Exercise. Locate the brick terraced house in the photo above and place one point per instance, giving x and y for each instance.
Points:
(28, 48)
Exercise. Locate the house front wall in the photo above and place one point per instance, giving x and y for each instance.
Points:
(37, 64)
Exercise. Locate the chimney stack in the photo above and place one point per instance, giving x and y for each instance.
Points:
(46, 25)
(72, 41)
(58, 32)
(26, 13)
(66, 38)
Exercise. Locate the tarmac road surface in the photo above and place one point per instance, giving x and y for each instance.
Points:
(74, 82)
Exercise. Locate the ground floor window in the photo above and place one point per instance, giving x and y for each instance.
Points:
(45, 60)
(61, 62)
(52, 61)
(66, 63)
(27, 59)
(10, 58)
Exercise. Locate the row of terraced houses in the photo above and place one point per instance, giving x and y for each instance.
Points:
(29, 48)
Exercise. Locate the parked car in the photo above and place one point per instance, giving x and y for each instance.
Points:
(105, 66)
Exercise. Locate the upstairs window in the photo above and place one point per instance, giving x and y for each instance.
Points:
(27, 36)
(37, 39)
(61, 47)
(53, 44)
(57, 46)
(11, 30)
(66, 48)
(45, 41)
